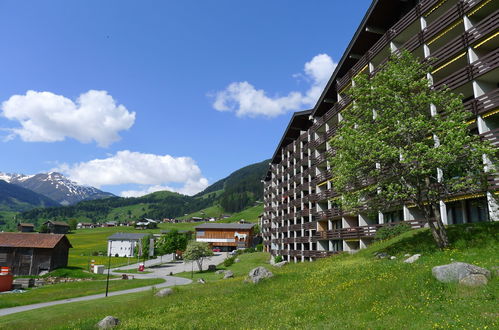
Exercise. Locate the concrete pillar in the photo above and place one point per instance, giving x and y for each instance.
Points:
(492, 201)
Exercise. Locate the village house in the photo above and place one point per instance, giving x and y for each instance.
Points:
(56, 227)
(146, 224)
(226, 236)
(32, 253)
(26, 227)
(82, 225)
(123, 244)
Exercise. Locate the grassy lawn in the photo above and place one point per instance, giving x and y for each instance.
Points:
(345, 291)
(209, 212)
(69, 290)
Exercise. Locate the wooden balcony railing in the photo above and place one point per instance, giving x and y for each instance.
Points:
(492, 136)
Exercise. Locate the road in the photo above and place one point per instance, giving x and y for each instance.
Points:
(157, 269)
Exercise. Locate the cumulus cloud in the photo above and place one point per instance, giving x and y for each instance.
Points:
(246, 100)
(48, 117)
(154, 172)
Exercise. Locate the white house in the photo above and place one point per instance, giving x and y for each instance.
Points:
(123, 244)
(147, 223)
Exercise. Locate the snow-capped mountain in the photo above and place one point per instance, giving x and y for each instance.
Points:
(55, 186)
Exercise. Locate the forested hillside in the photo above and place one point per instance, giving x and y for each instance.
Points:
(15, 198)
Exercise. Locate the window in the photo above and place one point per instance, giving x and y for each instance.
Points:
(3, 257)
(200, 233)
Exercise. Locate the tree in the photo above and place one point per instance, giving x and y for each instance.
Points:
(403, 141)
(72, 223)
(171, 242)
(197, 251)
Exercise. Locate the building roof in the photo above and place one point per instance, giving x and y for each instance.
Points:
(127, 236)
(241, 226)
(24, 224)
(381, 15)
(58, 223)
(31, 240)
(180, 231)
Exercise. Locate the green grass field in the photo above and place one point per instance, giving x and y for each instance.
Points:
(345, 292)
(70, 290)
(250, 214)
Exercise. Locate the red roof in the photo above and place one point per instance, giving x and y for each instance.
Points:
(31, 240)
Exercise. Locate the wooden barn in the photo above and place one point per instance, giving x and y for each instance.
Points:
(56, 227)
(31, 253)
(26, 227)
(226, 236)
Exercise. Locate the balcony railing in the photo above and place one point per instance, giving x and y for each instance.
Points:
(492, 136)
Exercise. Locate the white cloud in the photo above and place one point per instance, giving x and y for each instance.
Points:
(245, 100)
(127, 167)
(47, 117)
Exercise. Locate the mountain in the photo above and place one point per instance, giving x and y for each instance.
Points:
(56, 187)
(238, 191)
(15, 198)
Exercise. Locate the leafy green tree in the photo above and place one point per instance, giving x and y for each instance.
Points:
(72, 223)
(171, 242)
(405, 142)
(197, 251)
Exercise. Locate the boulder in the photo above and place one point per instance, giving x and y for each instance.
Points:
(202, 281)
(228, 274)
(220, 271)
(259, 273)
(393, 257)
(407, 255)
(108, 322)
(381, 255)
(474, 280)
(164, 292)
(455, 271)
(410, 260)
(280, 264)
(237, 260)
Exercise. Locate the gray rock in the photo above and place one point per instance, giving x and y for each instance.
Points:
(280, 264)
(202, 281)
(455, 271)
(381, 255)
(393, 257)
(164, 292)
(407, 255)
(259, 273)
(108, 322)
(410, 260)
(220, 271)
(474, 280)
(228, 274)
(237, 260)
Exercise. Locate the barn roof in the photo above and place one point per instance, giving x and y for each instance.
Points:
(226, 226)
(25, 224)
(58, 223)
(31, 240)
(127, 236)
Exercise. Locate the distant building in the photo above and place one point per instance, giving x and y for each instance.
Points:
(146, 224)
(226, 236)
(111, 224)
(26, 227)
(83, 225)
(31, 253)
(56, 227)
(123, 244)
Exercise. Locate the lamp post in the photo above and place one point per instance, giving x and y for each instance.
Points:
(109, 266)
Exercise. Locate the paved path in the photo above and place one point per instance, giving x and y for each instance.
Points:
(157, 271)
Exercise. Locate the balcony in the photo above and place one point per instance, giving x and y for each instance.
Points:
(492, 136)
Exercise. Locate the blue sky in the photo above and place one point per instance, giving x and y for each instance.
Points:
(135, 96)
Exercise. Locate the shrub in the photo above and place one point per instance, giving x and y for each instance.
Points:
(229, 261)
(277, 259)
(250, 250)
(391, 231)
(95, 253)
(259, 247)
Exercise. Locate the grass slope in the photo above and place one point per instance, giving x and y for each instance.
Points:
(250, 214)
(70, 290)
(346, 291)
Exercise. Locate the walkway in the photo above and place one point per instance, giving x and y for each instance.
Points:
(157, 269)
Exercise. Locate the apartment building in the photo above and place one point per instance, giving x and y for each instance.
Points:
(300, 220)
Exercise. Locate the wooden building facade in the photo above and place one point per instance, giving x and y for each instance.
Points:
(226, 236)
(31, 253)
(56, 227)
